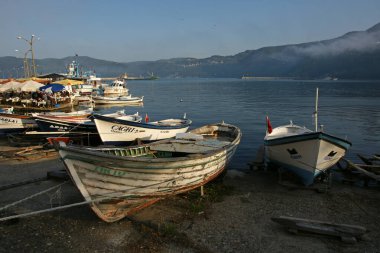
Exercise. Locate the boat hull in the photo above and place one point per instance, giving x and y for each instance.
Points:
(117, 186)
(31, 138)
(61, 125)
(85, 89)
(15, 128)
(6, 118)
(117, 100)
(121, 132)
(13, 123)
(306, 155)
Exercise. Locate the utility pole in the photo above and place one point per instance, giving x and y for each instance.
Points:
(30, 42)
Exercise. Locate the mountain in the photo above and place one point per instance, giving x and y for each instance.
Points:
(355, 55)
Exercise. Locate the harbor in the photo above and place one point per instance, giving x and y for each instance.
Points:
(225, 131)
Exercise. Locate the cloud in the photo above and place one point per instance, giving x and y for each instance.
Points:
(355, 41)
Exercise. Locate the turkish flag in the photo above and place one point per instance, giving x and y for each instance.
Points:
(269, 126)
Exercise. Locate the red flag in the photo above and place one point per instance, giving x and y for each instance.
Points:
(269, 126)
(146, 118)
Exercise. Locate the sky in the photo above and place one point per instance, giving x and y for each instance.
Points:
(146, 30)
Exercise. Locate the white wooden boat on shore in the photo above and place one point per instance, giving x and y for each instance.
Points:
(103, 100)
(118, 131)
(120, 181)
(302, 151)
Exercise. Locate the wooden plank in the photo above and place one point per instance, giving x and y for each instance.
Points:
(347, 233)
(365, 172)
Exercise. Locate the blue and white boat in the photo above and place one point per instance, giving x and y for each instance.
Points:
(118, 131)
(51, 123)
(302, 151)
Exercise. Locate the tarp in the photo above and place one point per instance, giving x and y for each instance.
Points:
(8, 86)
(53, 76)
(53, 87)
(69, 82)
(30, 86)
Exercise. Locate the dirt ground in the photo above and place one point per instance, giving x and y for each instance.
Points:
(233, 216)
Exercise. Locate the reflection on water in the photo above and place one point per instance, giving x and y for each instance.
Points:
(346, 109)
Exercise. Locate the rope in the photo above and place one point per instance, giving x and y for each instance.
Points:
(65, 206)
(5, 187)
(43, 211)
(31, 196)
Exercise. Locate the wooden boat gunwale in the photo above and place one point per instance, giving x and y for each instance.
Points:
(309, 136)
(142, 124)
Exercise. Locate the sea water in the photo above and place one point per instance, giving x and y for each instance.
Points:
(347, 109)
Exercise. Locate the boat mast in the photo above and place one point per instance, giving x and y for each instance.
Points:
(316, 111)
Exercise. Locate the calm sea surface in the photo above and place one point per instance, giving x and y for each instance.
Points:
(346, 109)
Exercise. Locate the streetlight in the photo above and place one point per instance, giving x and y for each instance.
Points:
(30, 42)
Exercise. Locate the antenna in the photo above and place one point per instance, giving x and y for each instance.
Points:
(316, 111)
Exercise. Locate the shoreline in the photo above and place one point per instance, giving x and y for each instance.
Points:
(234, 216)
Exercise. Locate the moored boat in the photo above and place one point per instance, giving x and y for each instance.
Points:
(77, 124)
(31, 138)
(118, 131)
(102, 100)
(302, 151)
(117, 87)
(11, 123)
(117, 182)
(64, 124)
(15, 128)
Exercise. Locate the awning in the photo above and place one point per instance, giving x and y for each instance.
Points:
(53, 87)
(69, 82)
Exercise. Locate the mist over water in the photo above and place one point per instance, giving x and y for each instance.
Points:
(346, 109)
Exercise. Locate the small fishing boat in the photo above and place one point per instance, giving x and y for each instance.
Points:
(15, 128)
(302, 151)
(117, 87)
(117, 182)
(32, 138)
(102, 100)
(50, 123)
(119, 131)
(79, 114)
(82, 100)
(12, 123)
(77, 124)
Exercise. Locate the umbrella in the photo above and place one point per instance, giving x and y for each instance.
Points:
(53, 87)
(8, 86)
(30, 86)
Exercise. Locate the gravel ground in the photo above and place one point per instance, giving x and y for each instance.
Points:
(234, 216)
